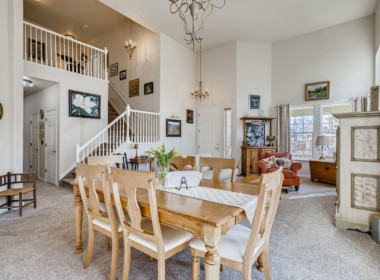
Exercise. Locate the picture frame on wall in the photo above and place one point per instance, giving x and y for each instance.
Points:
(173, 128)
(317, 91)
(148, 88)
(123, 75)
(254, 102)
(134, 86)
(189, 116)
(84, 105)
(114, 69)
(255, 134)
(36, 50)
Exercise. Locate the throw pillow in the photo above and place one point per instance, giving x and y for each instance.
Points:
(269, 161)
(284, 162)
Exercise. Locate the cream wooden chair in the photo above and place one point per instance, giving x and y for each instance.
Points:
(241, 246)
(106, 160)
(181, 162)
(157, 241)
(98, 220)
(217, 165)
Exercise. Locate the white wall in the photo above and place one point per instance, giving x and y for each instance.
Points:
(177, 78)
(72, 131)
(377, 26)
(45, 99)
(144, 65)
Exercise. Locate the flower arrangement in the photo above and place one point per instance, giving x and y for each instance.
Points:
(271, 139)
(163, 158)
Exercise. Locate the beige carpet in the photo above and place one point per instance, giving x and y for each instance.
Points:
(304, 244)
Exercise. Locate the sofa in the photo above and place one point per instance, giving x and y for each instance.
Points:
(291, 176)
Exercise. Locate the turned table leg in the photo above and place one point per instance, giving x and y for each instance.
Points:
(78, 218)
(212, 238)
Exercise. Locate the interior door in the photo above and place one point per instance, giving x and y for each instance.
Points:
(209, 132)
(33, 150)
(51, 147)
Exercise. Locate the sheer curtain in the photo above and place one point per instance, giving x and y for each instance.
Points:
(283, 128)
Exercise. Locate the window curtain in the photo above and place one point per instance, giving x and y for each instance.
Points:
(283, 128)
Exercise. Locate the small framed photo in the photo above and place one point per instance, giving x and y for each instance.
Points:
(189, 116)
(254, 102)
(114, 69)
(123, 75)
(317, 91)
(173, 128)
(134, 86)
(148, 88)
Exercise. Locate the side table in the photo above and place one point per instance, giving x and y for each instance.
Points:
(323, 170)
(137, 161)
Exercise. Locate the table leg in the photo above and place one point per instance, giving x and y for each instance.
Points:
(212, 238)
(260, 263)
(78, 218)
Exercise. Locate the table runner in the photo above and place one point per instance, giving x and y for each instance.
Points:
(241, 200)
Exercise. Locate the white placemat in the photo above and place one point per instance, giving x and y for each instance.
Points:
(245, 201)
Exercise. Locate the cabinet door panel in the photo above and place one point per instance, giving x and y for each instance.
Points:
(254, 158)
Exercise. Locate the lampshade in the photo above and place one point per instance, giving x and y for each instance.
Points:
(322, 140)
(136, 146)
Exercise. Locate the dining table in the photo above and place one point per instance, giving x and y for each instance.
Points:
(206, 220)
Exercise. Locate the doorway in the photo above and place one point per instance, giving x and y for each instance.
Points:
(209, 132)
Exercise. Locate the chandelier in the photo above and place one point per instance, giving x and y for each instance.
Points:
(200, 93)
(193, 14)
(130, 45)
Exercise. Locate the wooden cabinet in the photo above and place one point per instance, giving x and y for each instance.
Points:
(250, 157)
(323, 171)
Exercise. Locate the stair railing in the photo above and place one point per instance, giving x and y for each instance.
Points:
(132, 126)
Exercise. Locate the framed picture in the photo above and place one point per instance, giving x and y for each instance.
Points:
(254, 102)
(134, 86)
(123, 75)
(37, 51)
(148, 88)
(255, 134)
(114, 69)
(189, 116)
(84, 105)
(317, 91)
(173, 128)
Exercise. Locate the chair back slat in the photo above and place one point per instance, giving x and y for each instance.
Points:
(268, 199)
(181, 162)
(106, 161)
(218, 164)
(131, 182)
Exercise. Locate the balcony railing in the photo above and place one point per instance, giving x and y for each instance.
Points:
(51, 49)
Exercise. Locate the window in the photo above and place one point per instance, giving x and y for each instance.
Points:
(330, 124)
(301, 132)
(227, 132)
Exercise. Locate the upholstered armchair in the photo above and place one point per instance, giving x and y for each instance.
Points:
(291, 176)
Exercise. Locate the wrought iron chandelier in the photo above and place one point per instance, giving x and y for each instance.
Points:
(194, 13)
(130, 45)
(200, 93)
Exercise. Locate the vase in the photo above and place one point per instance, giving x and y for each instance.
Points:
(162, 176)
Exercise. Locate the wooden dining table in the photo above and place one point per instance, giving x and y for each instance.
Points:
(208, 221)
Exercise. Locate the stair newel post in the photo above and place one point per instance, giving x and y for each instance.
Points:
(78, 151)
(128, 115)
(105, 63)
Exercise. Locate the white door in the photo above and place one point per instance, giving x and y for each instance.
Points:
(33, 146)
(51, 147)
(209, 131)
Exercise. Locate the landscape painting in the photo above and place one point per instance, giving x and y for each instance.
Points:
(317, 91)
(173, 128)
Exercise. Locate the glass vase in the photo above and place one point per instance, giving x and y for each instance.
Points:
(162, 176)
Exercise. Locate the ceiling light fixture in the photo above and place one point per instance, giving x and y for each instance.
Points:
(27, 83)
(200, 93)
(130, 45)
(194, 13)
(69, 36)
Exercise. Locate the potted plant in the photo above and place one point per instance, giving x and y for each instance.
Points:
(271, 139)
(163, 158)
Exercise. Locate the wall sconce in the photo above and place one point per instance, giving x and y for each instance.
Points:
(320, 142)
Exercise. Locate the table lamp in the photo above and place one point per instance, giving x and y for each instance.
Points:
(320, 142)
(136, 146)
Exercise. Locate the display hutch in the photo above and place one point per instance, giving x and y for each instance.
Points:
(255, 131)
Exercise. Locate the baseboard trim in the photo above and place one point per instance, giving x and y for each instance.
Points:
(345, 224)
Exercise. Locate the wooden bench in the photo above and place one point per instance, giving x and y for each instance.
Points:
(18, 178)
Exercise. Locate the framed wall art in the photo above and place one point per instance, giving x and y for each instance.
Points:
(123, 75)
(148, 88)
(254, 102)
(173, 128)
(36, 50)
(114, 69)
(317, 91)
(189, 116)
(134, 86)
(84, 105)
(255, 134)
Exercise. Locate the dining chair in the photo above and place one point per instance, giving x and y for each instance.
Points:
(106, 160)
(101, 221)
(241, 246)
(181, 162)
(217, 165)
(158, 241)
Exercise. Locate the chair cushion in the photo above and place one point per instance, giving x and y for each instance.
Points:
(106, 225)
(278, 155)
(269, 161)
(288, 173)
(172, 237)
(233, 244)
(284, 162)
